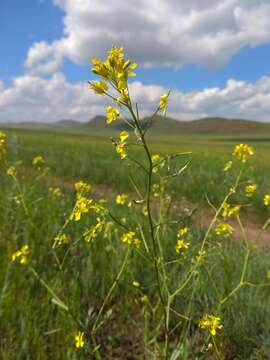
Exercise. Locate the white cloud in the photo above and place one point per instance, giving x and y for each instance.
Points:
(32, 98)
(155, 32)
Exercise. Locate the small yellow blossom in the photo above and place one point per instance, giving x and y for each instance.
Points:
(268, 275)
(21, 255)
(62, 239)
(94, 230)
(2, 142)
(181, 246)
(98, 86)
(55, 192)
(250, 190)
(82, 187)
(229, 210)
(266, 199)
(242, 152)
(100, 68)
(82, 206)
(223, 229)
(228, 166)
(123, 136)
(163, 103)
(136, 284)
(211, 323)
(11, 171)
(112, 114)
(38, 161)
(121, 199)
(182, 232)
(79, 339)
(121, 145)
(129, 238)
(116, 56)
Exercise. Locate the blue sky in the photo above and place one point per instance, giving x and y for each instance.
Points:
(24, 25)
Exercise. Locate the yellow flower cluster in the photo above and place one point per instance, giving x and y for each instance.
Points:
(2, 142)
(21, 255)
(94, 230)
(121, 199)
(11, 171)
(163, 103)
(228, 166)
(157, 161)
(250, 190)
(223, 229)
(130, 239)
(121, 144)
(61, 239)
(182, 245)
(82, 187)
(242, 152)
(38, 160)
(211, 323)
(82, 206)
(79, 339)
(55, 192)
(229, 210)
(112, 114)
(266, 199)
(114, 71)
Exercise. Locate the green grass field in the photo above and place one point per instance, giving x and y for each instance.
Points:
(33, 321)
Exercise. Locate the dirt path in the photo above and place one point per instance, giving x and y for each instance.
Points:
(252, 223)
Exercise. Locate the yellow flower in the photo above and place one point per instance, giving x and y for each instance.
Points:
(82, 206)
(93, 232)
(100, 68)
(55, 192)
(116, 56)
(229, 210)
(121, 145)
(228, 165)
(223, 229)
(21, 255)
(112, 114)
(79, 339)
(181, 246)
(163, 102)
(98, 86)
(123, 136)
(250, 190)
(11, 171)
(266, 200)
(38, 160)
(136, 283)
(121, 199)
(242, 152)
(182, 232)
(129, 238)
(211, 323)
(62, 239)
(82, 187)
(268, 275)
(2, 142)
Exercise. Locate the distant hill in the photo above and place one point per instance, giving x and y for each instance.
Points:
(211, 125)
(159, 125)
(67, 122)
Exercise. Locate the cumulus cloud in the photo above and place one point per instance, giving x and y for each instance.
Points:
(155, 32)
(32, 98)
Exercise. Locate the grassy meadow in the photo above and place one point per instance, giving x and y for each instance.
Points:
(94, 280)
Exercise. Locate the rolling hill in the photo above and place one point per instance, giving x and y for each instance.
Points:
(211, 125)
